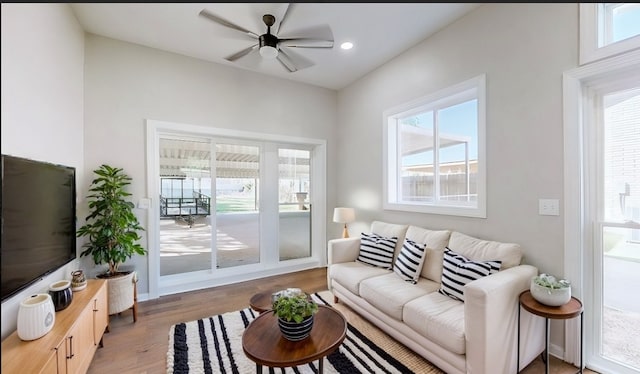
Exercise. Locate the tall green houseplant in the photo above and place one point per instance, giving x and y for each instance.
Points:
(111, 226)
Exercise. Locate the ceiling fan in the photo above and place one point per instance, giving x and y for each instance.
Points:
(269, 45)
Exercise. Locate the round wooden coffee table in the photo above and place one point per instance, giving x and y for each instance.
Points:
(264, 344)
(261, 302)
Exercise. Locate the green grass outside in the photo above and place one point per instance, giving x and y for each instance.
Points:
(231, 204)
(228, 204)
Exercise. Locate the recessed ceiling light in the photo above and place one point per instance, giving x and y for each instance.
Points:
(346, 45)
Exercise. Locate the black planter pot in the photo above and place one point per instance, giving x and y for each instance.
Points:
(295, 331)
(61, 294)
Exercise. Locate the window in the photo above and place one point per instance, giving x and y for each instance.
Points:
(608, 29)
(434, 152)
(602, 209)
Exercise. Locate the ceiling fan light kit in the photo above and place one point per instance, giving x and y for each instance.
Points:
(268, 42)
(269, 52)
(270, 46)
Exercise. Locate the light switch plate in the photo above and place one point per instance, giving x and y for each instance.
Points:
(549, 207)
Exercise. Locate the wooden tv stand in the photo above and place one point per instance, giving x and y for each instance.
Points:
(70, 345)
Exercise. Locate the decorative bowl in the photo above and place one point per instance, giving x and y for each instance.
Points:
(550, 296)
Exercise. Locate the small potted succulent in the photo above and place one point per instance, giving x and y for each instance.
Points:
(295, 314)
(550, 291)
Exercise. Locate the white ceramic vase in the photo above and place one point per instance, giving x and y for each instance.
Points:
(549, 296)
(36, 316)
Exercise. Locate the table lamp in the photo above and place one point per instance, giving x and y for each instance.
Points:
(344, 215)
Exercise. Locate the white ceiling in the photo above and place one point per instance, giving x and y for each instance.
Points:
(379, 31)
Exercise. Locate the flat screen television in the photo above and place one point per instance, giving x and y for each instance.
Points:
(38, 208)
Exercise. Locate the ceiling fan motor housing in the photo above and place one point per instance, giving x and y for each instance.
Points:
(268, 40)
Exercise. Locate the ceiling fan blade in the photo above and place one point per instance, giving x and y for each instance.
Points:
(293, 61)
(306, 43)
(242, 53)
(224, 22)
(284, 17)
(286, 61)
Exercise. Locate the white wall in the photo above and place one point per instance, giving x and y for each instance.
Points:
(523, 49)
(42, 101)
(127, 83)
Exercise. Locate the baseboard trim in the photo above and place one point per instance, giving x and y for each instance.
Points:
(556, 351)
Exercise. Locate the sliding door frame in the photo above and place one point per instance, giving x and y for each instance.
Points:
(158, 286)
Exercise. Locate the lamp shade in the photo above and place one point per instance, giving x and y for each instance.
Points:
(344, 215)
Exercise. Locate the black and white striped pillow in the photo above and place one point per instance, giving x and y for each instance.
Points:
(459, 270)
(376, 250)
(409, 262)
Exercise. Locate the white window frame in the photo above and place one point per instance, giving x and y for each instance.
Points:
(391, 164)
(592, 15)
(580, 173)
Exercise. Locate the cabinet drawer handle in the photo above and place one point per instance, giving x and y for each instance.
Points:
(71, 354)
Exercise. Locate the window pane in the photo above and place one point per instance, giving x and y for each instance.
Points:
(294, 203)
(416, 162)
(620, 313)
(622, 156)
(626, 21)
(185, 204)
(237, 214)
(618, 22)
(458, 152)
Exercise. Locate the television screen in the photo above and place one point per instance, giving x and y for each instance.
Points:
(38, 207)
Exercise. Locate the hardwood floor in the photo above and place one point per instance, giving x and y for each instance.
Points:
(141, 347)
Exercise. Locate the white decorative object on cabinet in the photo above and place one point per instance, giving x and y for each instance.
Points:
(36, 317)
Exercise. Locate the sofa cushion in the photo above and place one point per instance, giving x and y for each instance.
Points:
(389, 293)
(436, 242)
(459, 270)
(408, 264)
(482, 250)
(377, 250)
(390, 230)
(351, 274)
(439, 319)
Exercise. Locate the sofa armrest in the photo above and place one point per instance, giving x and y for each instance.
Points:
(491, 315)
(342, 250)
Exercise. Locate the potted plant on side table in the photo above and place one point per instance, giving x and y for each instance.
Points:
(550, 291)
(295, 315)
(112, 229)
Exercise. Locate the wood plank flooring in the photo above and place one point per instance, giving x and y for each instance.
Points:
(141, 347)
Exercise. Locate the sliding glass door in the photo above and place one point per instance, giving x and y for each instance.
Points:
(231, 207)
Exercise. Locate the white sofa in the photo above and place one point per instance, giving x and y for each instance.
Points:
(476, 336)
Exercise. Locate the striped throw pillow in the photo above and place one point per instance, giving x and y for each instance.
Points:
(376, 250)
(409, 262)
(458, 270)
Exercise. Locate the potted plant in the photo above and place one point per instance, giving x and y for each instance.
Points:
(295, 315)
(112, 229)
(550, 291)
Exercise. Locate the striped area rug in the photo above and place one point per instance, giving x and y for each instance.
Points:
(214, 345)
